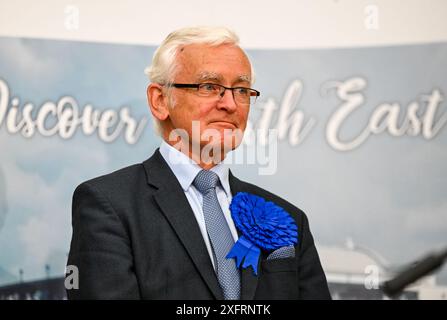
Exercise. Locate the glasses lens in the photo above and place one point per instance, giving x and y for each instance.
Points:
(245, 95)
(209, 90)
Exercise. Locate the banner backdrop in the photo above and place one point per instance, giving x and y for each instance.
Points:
(361, 141)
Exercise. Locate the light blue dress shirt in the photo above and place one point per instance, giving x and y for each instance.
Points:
(185, 169)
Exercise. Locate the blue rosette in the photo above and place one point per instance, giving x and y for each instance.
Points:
(264, 225)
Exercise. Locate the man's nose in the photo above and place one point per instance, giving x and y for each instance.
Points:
(226, 101)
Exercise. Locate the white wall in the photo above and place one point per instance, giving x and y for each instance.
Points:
(260, 23)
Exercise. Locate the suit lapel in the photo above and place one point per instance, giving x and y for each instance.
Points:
(249, 281)
(175, 206)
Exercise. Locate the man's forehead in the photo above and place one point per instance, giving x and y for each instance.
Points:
(202, 53)
(215, 76)
(209, 63)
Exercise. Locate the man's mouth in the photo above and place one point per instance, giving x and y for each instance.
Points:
(227, 124)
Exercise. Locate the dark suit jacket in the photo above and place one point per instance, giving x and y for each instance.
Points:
(135, 236)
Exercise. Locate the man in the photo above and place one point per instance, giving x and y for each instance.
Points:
(163, 229)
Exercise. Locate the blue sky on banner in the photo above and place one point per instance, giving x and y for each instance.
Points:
(387, 192)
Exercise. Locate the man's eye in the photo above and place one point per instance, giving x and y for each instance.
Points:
(242, 91)
(208, 87)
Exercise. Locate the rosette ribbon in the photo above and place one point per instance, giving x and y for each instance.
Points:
(264, 225)
(244, 250)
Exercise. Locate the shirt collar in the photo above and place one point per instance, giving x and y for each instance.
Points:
(186, 169)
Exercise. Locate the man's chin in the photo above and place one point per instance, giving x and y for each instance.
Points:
(218, 145)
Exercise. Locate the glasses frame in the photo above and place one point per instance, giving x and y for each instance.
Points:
(253, 92)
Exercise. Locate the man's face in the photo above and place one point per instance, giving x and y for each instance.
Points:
(199, 63)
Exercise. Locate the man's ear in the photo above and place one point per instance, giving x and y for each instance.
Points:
(157, 101)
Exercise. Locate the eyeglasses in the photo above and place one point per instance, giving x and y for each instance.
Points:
(241, 95)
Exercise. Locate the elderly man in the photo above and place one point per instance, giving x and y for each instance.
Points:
(169, 228)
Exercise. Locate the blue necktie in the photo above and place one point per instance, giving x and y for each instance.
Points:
(220, 235)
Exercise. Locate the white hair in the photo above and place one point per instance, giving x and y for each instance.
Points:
(164, 64)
